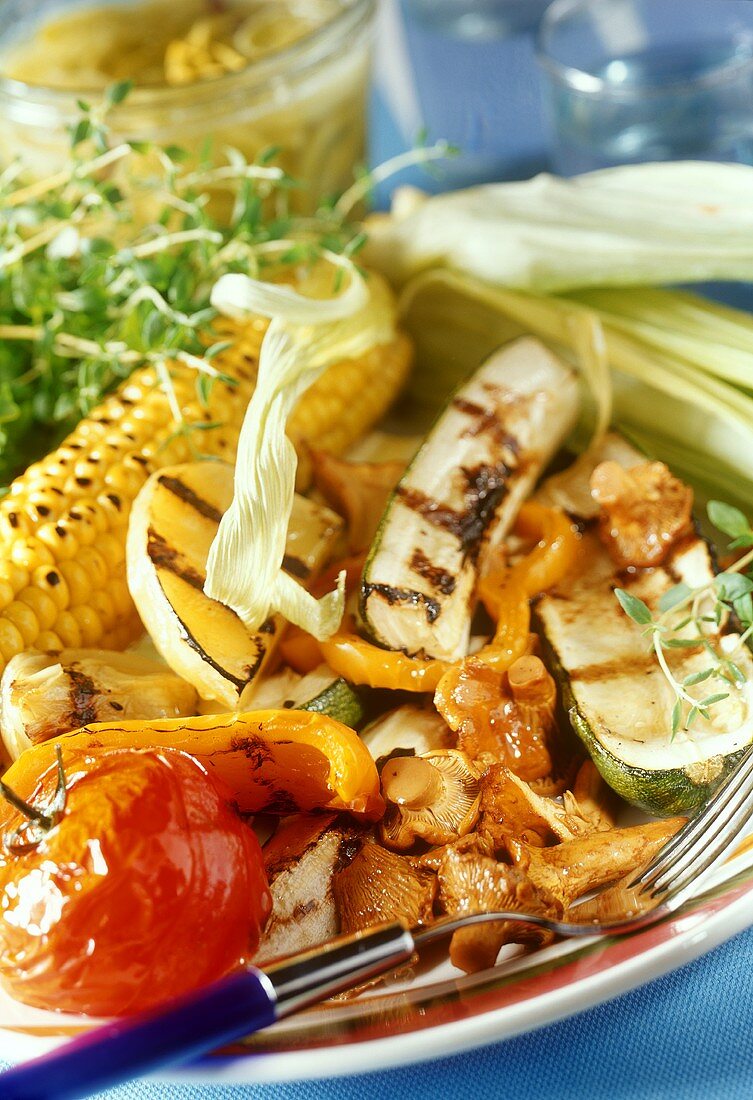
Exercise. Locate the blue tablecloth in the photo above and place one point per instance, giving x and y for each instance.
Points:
(688, 1035)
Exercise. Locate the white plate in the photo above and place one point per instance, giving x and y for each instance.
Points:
(441, 1011)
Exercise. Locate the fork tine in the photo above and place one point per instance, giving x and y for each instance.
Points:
(684, 841)
(708, 855)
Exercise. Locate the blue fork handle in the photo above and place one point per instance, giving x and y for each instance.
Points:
(106, 1056)
(199, 1022)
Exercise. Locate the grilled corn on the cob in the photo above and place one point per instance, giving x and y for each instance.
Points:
(63, 523)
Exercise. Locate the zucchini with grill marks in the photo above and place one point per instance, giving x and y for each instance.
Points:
(462, 491)
(616, 696)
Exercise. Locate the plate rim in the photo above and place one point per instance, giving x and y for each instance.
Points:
(488, 1028)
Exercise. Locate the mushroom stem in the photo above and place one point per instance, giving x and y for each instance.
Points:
(528, 679)
(411, 782)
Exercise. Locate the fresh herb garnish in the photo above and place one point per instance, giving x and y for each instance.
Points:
(109, 265)
(694, 618)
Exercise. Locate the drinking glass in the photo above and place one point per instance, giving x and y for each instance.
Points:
(647, 80)
(478, 19)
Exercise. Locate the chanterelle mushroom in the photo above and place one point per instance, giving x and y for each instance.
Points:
(377, 885)
(570, 870)
(472, 882)
(644, 511)
(510, 809)
(591, 798)
(506, 717)
(434, 797)
(410, 729)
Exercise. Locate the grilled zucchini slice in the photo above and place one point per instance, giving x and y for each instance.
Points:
(464, 486)
(618, 701)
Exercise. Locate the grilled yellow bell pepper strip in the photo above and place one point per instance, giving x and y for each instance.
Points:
(276, 761)
(359, 661)
(506, 594)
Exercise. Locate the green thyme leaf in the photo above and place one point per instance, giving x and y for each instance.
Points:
(697, 677)
(116, 93)
(634, 607)
(731, 586)
(711, 699)
(731, 521)
(674, 596)
(743, 606)
(676, 716)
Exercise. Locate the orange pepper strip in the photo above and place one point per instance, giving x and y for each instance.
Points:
(506, 595)
(363, 663)
(278, 761)
(298, 648)
(511, 638)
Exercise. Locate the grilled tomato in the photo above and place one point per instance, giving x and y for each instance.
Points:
(126, 878)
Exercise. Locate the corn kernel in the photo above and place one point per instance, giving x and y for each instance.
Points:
(52, 584)
(30, 552)
(89, 624)
(44, 608)
(59, 539)
(68, 630)
(11, 640)
(24, 619)
(79, 586)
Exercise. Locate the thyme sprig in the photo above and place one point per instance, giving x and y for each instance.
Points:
(109, 264)
(694, 618)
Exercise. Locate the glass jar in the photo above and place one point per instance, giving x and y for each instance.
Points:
(308, 99)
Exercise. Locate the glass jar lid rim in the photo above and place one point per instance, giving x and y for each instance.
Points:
(312, 47)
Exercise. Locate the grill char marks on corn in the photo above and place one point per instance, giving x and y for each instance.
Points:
(460, 494)
(67, 515)
(63, 524)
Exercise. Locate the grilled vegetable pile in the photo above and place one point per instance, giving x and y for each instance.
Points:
(435, 658)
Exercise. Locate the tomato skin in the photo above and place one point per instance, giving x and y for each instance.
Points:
(149, 886)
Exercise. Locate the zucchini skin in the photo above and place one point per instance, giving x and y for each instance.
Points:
(353, 706)
(662, 792)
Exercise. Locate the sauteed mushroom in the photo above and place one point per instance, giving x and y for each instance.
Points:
(505, 717)
(471, 882)
(644, 511)
(377, 885)
(510, 809)
(595, 801)
(569, 870)
(407, 730)
(434, 797)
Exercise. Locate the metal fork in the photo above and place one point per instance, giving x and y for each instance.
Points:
(254, 998)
